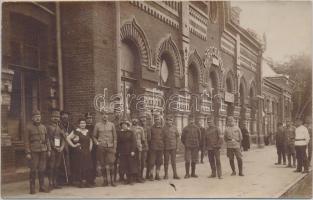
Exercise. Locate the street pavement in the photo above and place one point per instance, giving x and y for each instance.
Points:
(262, 179)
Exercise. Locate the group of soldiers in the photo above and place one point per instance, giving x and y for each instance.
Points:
(294, 142)
(77, 155)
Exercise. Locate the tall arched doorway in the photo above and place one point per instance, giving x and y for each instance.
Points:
(229, 96)
(242, 100)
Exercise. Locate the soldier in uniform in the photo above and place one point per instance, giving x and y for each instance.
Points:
(290, 146)
(171, 139)
(156, 148)
(233, 139)
(105, 138)
(191, 137)
(145, 145)
(281, 143)
(57, 141)
(301, 141)
(213, 141)
(65, 168)
(37, 147)
(141, 139)
(90, 126)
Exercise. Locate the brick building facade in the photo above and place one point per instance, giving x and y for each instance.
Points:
(169, 57)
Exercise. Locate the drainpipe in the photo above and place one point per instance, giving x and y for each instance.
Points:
(59, 55)
(118, 48)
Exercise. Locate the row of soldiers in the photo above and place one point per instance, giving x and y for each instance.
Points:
(75, 155)
(293, 142)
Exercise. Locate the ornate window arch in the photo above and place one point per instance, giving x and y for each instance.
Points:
(130, 30)
(168, 47)
(229, 80)
(195, 60)
(243, 89)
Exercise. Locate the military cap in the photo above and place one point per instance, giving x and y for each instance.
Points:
(124, 121)
(36, 112)
(88, 115)
(55, 113)
(63, 112)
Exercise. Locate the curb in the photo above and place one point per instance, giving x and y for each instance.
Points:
(290, 186)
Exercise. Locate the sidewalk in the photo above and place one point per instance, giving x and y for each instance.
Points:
(262, 179)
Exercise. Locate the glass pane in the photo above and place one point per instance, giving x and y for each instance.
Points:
(16, 54)
(31, 56)
(14, 122)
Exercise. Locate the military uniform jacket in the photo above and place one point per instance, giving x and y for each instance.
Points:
(56, 136)
(147, 135)
(157, 138)
(191, 136)
(171, 137)
(105, 134)
(140, 136)
(36, 139)
(281, 138)
(291, 135)
(213, 138)
(233, 137)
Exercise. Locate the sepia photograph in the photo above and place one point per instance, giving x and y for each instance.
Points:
(156, 99)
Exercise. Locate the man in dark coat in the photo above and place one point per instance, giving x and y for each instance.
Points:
(171, 139)
(290, 143)
(37, 148)
(281, 143)
(245, 137)
(156, 148)
(57, 141)
(191, 137)
(213, 141)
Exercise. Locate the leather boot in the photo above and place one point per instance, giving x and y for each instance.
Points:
(193, 170)
(42, 187)
(165, 171)
(112, 174)
(55, 183)
(187, 168)
(175, 176)
(105, 177)
(50, 179)
(240, 167)
(157, 176)
(232, 165)
(32, 180)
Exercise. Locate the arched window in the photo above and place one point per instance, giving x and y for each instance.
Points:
(213, 11)
(192, 79)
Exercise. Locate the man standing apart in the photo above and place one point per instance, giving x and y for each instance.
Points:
(290, 149)
(202, 136)
(233, 138)
(191, 137)
(301, 141)
(106, 140)
(171, 138)
(37, 147)
(90, 126)
(281, 143)
(156, 148)
(213, 141)
(57, 141)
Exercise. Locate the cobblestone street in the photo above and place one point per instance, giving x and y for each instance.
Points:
(262, 179)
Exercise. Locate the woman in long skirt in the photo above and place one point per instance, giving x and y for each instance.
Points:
(83, 146)
(126, 148)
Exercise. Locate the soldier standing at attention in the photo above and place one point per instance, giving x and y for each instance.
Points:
(140, 139)
(290, 150)
(171, 139)
(233, 138)
(57, 141)
(145, 145)
(191, 137)
(281, 143)
(37, 147)
(106, 140)
(213, 141)
(156, 148)
(90, 126)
